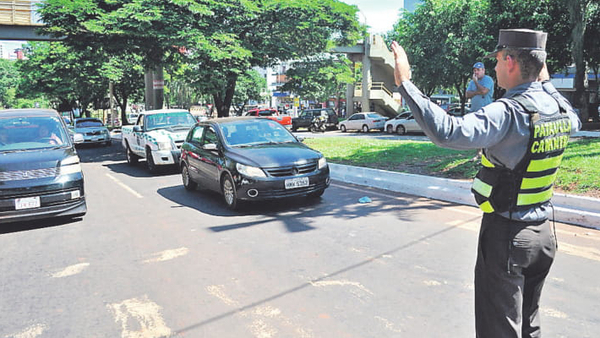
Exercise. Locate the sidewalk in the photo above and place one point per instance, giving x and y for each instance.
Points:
(571, 209)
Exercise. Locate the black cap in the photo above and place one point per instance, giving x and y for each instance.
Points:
(520, 39)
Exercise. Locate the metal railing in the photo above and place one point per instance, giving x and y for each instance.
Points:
(19, 13)
(372, 86)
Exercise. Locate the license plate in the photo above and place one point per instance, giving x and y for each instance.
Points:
(297, 182)
(27, 203)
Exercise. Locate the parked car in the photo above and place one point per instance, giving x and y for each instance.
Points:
(407, 125)
(92, 130)
(363, 122)
(272, 114)
(390, 125)
(307, 115)
(250, 159)
(40, 173)
(456, 110)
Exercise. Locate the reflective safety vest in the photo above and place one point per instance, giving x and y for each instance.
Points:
(499, 189)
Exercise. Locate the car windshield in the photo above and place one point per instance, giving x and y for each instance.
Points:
(267, 113)
(170, 120)
(254, 132)
(26, 133)
(88, 123)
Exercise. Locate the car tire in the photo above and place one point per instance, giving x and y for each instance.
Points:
(390, 129)
(132, 159)
(316, 194)
(401, 130)
(365, 128)
(343, 128)
(150, 162)
(229, 192)
(294, 128)
(187, 181)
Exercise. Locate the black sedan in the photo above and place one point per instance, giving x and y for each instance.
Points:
(250, 159)
(40, 173)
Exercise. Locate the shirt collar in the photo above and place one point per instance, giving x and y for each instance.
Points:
(522, 88)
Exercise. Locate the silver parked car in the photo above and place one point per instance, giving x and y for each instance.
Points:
(93, 131)
(363, 122)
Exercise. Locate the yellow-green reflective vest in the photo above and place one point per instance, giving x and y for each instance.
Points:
(499, 189)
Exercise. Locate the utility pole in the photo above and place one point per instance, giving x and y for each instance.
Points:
(154, 83)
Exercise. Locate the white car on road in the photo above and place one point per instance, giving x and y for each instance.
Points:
(363, 122)
(390, 125)
(403, 125)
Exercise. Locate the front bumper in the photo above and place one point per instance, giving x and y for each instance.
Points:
(56, 199)
(252, 189)
(166, 157)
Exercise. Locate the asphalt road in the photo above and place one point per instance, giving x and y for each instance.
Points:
(153, 260)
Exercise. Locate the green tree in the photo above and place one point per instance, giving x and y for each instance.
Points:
(443, 39)
(9, 78)
(127, 75)
(319, 77)
(250, 86)
(70, 78)
(219, 39)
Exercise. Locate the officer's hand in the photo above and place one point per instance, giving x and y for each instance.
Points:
(402, 70)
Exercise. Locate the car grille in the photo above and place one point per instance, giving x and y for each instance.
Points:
(28, 174)
(92, 133)
(292, 170)
(47, 199)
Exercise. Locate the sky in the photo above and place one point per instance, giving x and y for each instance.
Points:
(379, 14)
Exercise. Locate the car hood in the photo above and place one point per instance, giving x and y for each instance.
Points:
(34, 159)
(274, 155)
(177, 135)
(90, 129)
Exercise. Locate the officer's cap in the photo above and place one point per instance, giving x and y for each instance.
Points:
(520, 39)
(478, 65)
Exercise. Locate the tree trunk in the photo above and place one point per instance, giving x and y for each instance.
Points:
(578, 11)
(223, 103)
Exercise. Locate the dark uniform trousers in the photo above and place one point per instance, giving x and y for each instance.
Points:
(513, 260)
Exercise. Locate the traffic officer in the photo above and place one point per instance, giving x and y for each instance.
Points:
(523, 136)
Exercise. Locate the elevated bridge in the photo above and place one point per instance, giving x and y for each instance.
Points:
(19, 20)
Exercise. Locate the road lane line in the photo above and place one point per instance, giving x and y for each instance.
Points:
(70, 270)
(142, 314)
(124, 186)
(30, 332)
(167, 255)
(340, 283)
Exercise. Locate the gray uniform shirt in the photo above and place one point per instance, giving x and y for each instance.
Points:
(500, 128)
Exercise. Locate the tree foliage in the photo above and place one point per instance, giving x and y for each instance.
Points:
(250, 86)
(219, 39)
(318, 77)
(9, 78)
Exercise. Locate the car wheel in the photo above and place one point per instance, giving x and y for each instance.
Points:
(229, 192)
(132, 158)
(188, 183)
(343, 128)
(150, 162)
(365, 128)
(390, 129)
(316, 194)
(294, 128)
(401, 130)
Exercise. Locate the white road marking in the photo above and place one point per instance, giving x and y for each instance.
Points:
(71, 270)
(141, 313)
(554, 313)
(432, 283)
(167, 255)
(340, 283)
(259, 314)
(388, 325)
(125, 186)
(30, 332)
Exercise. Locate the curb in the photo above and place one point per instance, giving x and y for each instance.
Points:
(571, 209)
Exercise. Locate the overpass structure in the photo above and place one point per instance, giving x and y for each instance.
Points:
(375, 92)
(19, 20)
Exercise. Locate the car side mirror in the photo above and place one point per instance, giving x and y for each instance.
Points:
(137, 129)
(77, 138)
(300, 138)
(210, 147)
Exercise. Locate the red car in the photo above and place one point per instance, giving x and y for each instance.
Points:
(272, 114)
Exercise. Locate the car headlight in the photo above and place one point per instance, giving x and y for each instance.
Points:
(322, 163)
(250, 171)
(164, 146)
(70, 165)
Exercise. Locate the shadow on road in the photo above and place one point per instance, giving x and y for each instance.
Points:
(37, 224)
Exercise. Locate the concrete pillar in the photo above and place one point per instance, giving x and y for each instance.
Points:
(366, 76)
(349, 99)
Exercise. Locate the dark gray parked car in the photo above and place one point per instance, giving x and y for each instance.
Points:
(306, 116)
